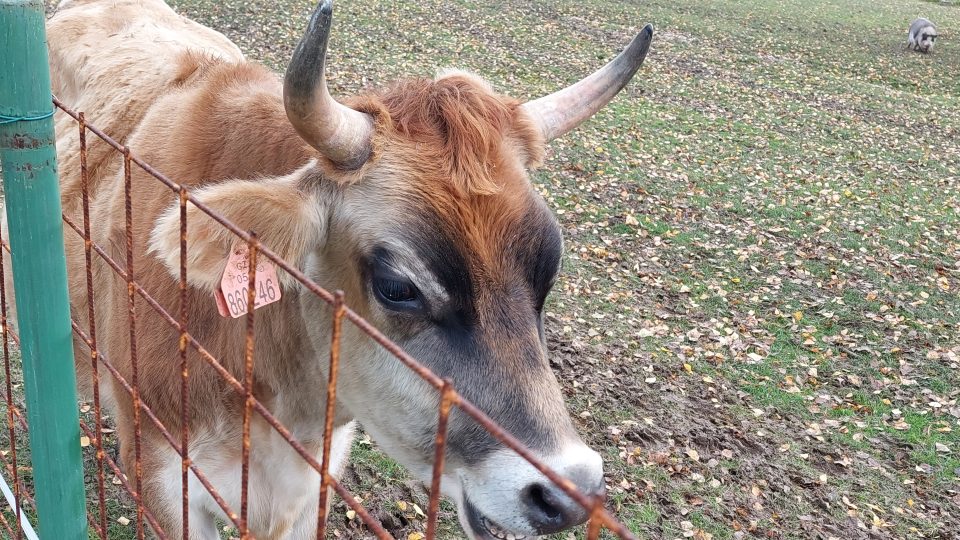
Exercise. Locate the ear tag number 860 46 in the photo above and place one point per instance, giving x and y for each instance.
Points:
(234, 285)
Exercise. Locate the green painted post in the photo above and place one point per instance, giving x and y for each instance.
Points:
(29, 160)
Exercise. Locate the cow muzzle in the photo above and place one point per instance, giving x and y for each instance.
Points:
(506, 498)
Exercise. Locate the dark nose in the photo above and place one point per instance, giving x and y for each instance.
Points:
(549, 509)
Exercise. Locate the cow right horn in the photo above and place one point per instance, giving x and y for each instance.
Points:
(565, 109)
(340, 133)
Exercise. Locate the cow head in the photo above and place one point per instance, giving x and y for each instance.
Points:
(419, 207)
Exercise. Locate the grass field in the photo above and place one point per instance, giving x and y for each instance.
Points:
(758, 319)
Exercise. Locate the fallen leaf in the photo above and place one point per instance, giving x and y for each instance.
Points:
(418, 511)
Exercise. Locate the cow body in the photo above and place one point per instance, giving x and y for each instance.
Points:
(434, 233)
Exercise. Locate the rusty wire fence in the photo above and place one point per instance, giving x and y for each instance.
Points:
(101, 366)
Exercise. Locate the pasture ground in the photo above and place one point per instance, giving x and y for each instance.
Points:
(758, 320)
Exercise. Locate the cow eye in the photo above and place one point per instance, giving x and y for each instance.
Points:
(397, 294)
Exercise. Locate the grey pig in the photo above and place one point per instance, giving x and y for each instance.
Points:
(921, 35)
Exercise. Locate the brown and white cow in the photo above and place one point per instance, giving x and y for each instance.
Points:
(414, 199)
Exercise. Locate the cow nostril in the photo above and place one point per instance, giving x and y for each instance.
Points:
(549, 510)
(543, 501)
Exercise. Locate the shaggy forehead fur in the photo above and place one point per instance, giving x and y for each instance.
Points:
(466, 132)
(460, 153)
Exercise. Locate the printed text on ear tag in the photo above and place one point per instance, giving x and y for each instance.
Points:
(234, 286)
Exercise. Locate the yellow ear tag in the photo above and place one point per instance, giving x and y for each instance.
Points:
(234, 285)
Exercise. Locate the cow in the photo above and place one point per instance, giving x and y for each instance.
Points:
(414, 199)
(921, 35)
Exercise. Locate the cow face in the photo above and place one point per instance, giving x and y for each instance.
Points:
(447, 247)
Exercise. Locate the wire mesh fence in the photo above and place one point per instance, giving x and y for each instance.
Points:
(600, 517)
(138, 301)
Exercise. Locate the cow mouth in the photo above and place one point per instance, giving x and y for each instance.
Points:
(485, 528)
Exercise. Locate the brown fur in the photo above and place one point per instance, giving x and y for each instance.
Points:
(460, 124)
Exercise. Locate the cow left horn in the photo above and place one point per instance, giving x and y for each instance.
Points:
(340, 133)
(564, 110)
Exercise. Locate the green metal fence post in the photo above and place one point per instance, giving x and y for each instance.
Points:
(29, 160)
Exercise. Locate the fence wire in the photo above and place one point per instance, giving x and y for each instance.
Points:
(600, 518)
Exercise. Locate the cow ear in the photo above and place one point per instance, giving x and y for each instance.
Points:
(286, 219)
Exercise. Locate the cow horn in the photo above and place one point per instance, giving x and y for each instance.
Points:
(340, 133)
(564, 110)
